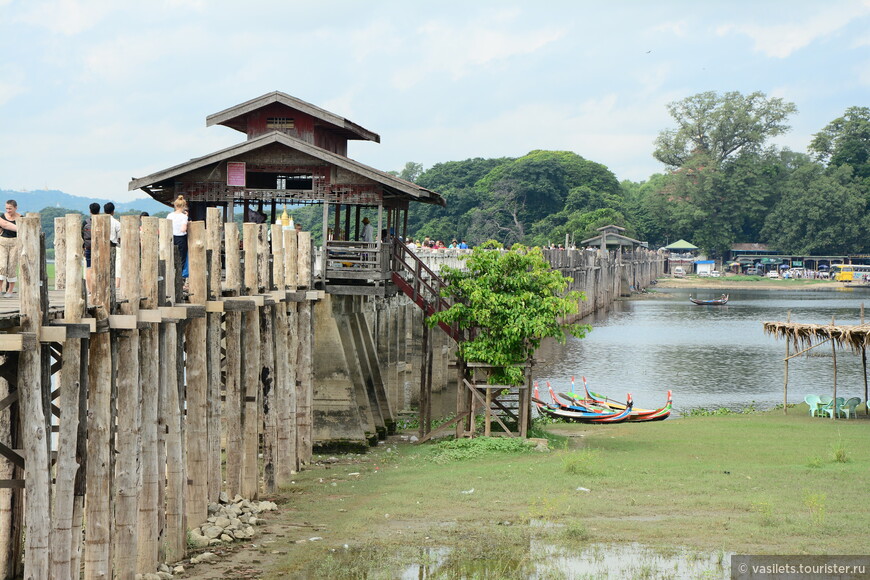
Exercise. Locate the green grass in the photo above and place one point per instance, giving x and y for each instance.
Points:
(744, 483)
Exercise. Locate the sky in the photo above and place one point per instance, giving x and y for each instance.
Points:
(94, 93)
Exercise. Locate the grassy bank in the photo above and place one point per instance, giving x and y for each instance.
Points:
(759, 483)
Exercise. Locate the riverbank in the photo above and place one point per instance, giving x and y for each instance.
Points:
(742, 283)
(693, 490)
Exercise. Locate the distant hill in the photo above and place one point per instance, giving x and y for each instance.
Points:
(37, 200)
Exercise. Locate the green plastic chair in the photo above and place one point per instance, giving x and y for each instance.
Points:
(813, 402)
(849, 408)
(835, 406)
(824, 401)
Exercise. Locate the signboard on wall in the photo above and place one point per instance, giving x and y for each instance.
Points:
(236, 173)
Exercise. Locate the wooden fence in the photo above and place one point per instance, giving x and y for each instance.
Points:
(116, 407)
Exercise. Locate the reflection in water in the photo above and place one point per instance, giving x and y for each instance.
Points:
(711, 356)
(538, 560)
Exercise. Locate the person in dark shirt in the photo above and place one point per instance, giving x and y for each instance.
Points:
(9, 248)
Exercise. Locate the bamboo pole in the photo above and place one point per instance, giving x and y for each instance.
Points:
(785, 375)
(834, 356)
(98, 512)
(214, 231)
(175, 544)
(149, 499)
(250, 369)
(196, 424)
(60, 251)
(233, 401)
(66, 535)
(33, 413)
(126, 538)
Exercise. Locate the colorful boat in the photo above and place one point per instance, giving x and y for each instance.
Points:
(581, 416)
(637, 414)
(714, 302)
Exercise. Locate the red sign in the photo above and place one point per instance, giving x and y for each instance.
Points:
(236, 173)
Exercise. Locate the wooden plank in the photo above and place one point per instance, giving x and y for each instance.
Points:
(92, 324)
(52, 334)
(73, 330)
(11, 342)
(213, 306)
(151, 315)
(239, 305)
(173, 312)
(123, 321)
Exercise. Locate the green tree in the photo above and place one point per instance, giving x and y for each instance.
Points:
(821, 213)
(846, 141)
(721, 126)
(513, 299)
(410, 172)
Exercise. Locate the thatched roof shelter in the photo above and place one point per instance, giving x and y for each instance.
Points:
(805, 337)
(856, 336)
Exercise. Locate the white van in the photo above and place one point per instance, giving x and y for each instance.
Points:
(679, 272)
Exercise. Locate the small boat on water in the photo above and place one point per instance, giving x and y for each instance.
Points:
(714, 302)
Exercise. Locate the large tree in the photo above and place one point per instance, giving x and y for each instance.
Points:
(821, 213)
(846, 141)
(721, 126)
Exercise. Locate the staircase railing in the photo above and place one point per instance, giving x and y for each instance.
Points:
(421, 284)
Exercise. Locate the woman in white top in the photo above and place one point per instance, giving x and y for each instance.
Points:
(179, 231)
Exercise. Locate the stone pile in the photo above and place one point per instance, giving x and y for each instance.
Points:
(229, 521)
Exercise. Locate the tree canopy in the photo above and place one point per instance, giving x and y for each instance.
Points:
(721, 126)
(513, 299)
(846, 141)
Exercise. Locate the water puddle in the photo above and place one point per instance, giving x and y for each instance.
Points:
(536, 560)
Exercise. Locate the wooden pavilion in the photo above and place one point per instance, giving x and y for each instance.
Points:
(296, 154)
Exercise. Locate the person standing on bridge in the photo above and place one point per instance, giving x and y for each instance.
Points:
(9, 248)
(179, 231)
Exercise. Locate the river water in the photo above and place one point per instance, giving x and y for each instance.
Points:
(710, 356)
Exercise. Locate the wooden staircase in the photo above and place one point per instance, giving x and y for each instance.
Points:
(422, 285)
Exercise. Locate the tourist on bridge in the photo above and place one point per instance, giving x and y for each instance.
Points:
(9, 248)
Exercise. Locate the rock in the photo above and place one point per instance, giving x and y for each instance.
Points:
(223, 497)
(197, 540)
(227, 539)
(213, 508)
(250, 531)
(253, 521)
(244, 518)
(238, 498)
(222, 522)
(241, 534)
(164, 575)
(204, 557)
(164, 568)
(178, 569)
(235, 524)
(150, 576)
(413, 439)
(212, 532)
(215, 542)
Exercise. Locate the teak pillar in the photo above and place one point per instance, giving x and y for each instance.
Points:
(196, 425)
(233, 397)
(250, 369)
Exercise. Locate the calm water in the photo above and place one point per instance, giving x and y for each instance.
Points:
(711, 356)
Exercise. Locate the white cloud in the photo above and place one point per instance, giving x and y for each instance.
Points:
(675, 27)
(68, 17)
(461, 50)
(782, 40)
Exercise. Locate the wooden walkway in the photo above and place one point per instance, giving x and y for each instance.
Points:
(144, 399)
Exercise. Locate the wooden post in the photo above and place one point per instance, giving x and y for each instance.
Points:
(290, 452)
(175, 543)
(233, 397)
(303, 264)
(66, 538)
(267, 365)
(60, 252)
(425, 397)
(149, 499)
(126, 547)
(196, 425)
(98, 512)
(33, 414)
(214, 231)
(285, 377)
(304, 394)
(250, 369)
(864, 367)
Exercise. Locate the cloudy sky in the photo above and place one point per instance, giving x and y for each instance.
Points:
(96, 92)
